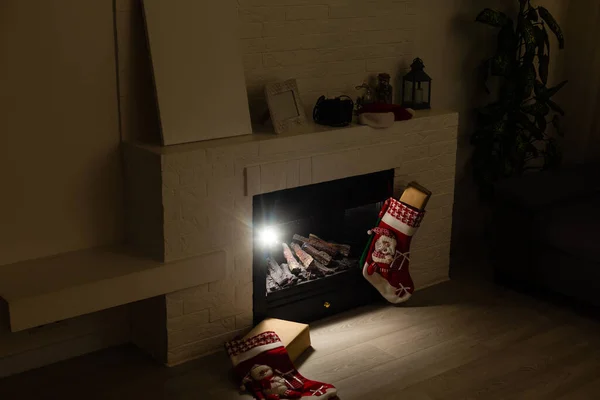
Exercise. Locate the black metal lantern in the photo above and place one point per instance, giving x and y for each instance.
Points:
(416, 87)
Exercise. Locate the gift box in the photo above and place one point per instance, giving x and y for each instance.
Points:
(294, 336)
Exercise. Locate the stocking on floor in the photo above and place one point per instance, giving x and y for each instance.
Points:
(388, 257)
(263, 364)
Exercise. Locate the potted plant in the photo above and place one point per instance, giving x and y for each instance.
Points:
(512, 132)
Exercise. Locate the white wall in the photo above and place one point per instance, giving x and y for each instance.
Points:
(581, 97)
(59, 168)
(59, 164)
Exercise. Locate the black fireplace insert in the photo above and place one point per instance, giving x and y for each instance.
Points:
(307, 246)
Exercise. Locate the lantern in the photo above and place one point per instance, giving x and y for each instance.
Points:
(416, 87)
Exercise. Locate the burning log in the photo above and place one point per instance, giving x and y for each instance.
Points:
(304, 257)
(314, 270)
(276, 273)
(345, 263)
(271, 285)
(320, 256)
(317, 244)
(292, 279)
(330, 248)
(318, 268)
(343, 249)
(293, 264)
(316, 260)
(299, 238)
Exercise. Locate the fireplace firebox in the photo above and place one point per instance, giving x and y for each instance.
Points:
(307, 246)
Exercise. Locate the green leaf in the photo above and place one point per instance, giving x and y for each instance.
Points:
(528, 32)
(527, 79)
(539, 89)
(543, 94)
(530, 148)
(541, 122)
(509, 94)
(546, 41)
(529, 127)
(492, 111)
(493, 18)
(521, 143)
(541, 41)
(553, 25)
(499, 127)
(555, 107)
(552, 91)
(522, 5)
(532, 15)
(536, 109)
(501, 64)
(543, 68)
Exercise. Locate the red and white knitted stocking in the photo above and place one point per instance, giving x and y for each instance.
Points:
(268, 373)
(388, 257)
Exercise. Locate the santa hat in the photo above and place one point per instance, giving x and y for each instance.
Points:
(376, 120)
(382, 232)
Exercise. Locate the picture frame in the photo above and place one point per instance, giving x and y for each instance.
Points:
(285, 106)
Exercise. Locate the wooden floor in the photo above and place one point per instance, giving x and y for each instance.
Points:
(451, 341)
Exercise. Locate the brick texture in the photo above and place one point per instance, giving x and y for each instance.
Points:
(329, 46)
(207, 191)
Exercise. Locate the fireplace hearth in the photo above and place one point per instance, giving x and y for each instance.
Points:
(308, 242)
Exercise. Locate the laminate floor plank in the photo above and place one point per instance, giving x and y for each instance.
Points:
(492, 372)
(458, 340)
(346, 363)
(561, 378)
(451, 352)
(587, 391)
(387, 380)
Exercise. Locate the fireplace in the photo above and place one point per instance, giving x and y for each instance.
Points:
(196, 205)
(307, 245)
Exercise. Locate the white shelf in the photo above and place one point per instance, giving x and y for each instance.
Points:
(51, 289)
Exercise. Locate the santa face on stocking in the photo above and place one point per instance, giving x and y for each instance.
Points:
(385, 249)
(269, 384)
(260, 372)
(268, 372)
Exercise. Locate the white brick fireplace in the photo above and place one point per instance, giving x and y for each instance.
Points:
(194, 202)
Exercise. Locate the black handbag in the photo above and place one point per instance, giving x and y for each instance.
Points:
(333, 112)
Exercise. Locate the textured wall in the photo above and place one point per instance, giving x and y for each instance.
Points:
(330, 46)
(207, 191)
(60, 164)
(581, 97)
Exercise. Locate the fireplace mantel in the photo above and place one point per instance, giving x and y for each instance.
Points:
(188, 201)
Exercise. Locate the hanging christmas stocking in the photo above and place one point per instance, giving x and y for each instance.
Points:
(388, 255)
(268, 373)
